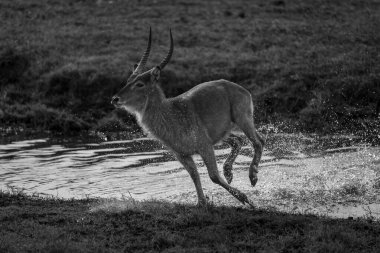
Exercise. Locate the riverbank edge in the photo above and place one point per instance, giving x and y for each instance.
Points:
(46, 224)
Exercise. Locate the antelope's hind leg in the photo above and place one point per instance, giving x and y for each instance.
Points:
(188, 163)
(235, 142)
(257, 142)
(245, 123)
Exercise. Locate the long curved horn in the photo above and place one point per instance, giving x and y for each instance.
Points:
(169, 55)
(145, 56)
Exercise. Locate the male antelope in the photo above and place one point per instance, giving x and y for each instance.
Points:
(193, 121)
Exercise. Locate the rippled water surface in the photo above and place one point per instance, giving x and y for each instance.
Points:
(333, 176)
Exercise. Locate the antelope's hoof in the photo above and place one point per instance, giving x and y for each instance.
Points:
(250, 204)
(227, 171)
(253, 179)
(242, 197)
(253, 174)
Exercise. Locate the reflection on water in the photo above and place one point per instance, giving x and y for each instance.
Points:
(76, 169)
(296, 174)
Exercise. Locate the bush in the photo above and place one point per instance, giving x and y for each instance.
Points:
(319, 70)
(13, 65)
(85, 93)
(39, 116)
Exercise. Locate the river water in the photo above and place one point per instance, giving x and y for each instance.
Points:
(334, 176)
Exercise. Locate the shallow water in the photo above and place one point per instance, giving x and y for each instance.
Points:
(336, 177)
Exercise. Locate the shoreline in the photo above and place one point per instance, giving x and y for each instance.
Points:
(87, 225)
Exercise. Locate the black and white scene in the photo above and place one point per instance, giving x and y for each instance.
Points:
(189, 126)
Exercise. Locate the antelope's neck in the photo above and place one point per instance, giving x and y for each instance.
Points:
(153, 117)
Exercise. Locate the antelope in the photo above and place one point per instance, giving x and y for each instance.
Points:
(194, 121)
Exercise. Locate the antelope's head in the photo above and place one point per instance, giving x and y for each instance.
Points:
(134, 94)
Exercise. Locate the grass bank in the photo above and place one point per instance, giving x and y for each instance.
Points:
(312, 62)
(30, 224)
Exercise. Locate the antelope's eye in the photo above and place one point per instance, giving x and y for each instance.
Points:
(139, 85)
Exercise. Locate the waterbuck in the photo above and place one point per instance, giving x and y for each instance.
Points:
(193, 121)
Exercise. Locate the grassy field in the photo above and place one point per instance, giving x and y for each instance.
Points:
(36, 224)
(316, 63)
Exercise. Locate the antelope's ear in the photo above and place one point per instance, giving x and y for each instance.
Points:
(155, 74)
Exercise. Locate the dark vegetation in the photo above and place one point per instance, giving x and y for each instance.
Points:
(315, 63)
(36, 224)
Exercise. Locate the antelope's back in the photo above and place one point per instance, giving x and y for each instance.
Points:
(213, 103)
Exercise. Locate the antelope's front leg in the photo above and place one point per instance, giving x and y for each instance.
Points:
(208, 156)
(188, 163)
